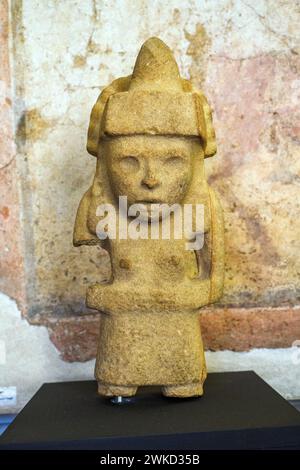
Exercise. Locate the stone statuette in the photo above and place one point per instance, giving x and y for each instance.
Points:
(150, 132)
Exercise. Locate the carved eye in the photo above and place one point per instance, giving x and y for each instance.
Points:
(129, 163)
(174, 161)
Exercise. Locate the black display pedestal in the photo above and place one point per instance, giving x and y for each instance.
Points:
(238, 411)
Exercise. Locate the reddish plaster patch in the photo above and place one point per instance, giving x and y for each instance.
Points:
(244, 329)
(75, 338)
(11, 259)
(4, 211)
(256, 105)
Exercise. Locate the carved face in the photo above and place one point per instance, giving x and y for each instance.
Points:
(149, 169)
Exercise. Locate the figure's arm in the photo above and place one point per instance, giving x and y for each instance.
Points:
(210, 258)
(216, 248)
(82, 235)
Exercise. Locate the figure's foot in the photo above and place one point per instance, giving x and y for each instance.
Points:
(183, 391)
(109, 390)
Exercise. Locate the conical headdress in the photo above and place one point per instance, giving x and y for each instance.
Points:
(154, 100)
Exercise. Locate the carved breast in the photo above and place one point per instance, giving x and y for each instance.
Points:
(152, 260)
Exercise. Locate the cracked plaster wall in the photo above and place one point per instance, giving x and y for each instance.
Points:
(246, 58)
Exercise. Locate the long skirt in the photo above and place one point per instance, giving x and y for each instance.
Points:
(150, 349)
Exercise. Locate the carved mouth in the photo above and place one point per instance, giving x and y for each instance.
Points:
(149, 201)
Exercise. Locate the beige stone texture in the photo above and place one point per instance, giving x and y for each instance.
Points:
(150, 332)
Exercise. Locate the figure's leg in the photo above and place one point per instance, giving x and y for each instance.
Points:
(110, 390)
(183, 391)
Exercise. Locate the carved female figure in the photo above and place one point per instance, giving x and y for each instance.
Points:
(150, 132)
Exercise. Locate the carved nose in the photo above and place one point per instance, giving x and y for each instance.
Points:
(150, 182)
